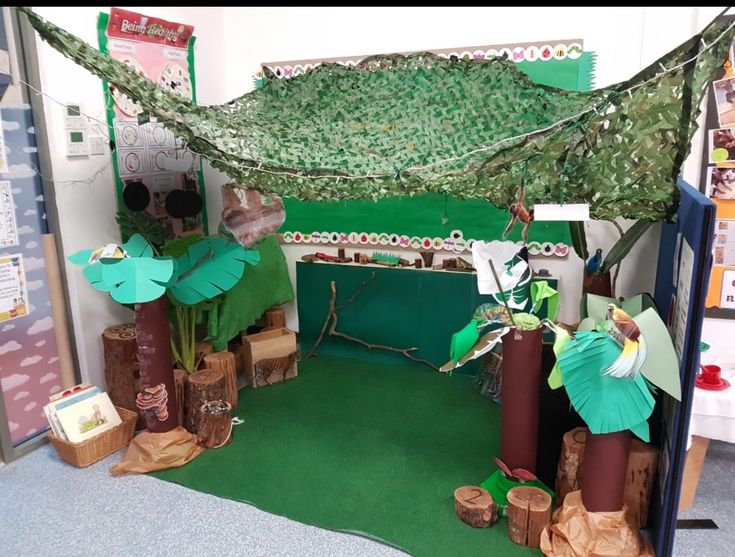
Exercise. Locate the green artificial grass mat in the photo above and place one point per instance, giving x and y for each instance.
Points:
(365, 448)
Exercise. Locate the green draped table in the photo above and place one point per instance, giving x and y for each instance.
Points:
(402, 307)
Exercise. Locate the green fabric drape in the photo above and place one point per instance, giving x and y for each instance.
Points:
(399, 125)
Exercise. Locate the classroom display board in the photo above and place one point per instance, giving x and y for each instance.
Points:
(30, 369)
(154, 172)
(684, 263)
(436, 221)
(717, 181)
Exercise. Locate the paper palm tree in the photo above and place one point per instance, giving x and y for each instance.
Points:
(132, 274)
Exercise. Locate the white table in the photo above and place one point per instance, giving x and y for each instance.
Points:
(713, 412)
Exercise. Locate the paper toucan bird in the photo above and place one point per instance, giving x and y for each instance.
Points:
(594, 262)
(628, 335)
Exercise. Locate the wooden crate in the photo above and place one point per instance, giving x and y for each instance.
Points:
(98, 447)
(269, 357)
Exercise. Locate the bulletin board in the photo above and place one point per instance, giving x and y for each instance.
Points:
(718, 183)
(154, 171)
(436, 221)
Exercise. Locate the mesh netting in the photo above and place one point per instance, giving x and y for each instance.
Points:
(401, 125)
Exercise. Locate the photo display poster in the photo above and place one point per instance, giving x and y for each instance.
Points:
(154, 171)
(718, 181)
(436, 221)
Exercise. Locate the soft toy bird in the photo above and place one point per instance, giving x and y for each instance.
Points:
(628, 335)
(594, 262)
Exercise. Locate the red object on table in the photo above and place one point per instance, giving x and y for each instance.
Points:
(710, 378)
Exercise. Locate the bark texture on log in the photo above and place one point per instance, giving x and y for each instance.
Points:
(201, 349)
(203, 386)
(225, 362)
(215, 429)
(528, 511)
(567, 473)
(275, 318)
(181, 376)
(122, 373)
(475, 506)
(640, 476)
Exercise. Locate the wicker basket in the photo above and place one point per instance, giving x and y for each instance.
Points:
(98, 447)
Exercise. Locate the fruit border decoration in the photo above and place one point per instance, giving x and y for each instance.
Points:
(455, 242)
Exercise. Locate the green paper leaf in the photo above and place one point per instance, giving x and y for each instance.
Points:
(661, 366)
(462, 341)
(540, 291)
(137, 279)
(137, 246)
(624, 244)
(209, 268)
(579, 239)
(81, 257)
(555, 379)
(93, 273)
(606, 404)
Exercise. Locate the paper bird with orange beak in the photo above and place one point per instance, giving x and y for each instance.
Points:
(627, 334)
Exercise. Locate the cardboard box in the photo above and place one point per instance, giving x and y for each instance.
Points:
(269, 357)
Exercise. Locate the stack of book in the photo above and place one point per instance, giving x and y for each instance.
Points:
(80, 413)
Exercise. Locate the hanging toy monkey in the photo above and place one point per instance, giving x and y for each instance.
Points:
(519, 213)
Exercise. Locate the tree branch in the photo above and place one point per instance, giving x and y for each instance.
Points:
(331, 330)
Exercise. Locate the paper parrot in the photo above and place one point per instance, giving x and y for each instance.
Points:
(627, 334)
(594, 262)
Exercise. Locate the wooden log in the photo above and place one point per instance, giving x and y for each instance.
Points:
(642, 466)
(203, 386)
(215, 429)
(201, 349)
(475, 506)
(275, 318)
(236, 347)
(225, 362)
(181, 376)
(529, 512)
(567, 473)
(122, 372)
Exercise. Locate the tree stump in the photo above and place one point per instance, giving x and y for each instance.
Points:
(640, 476)
(475, 506)
(225, 362)
(642, 466)
(215, 429)
(275, 318)
(235, 346)
(572, 451)
(180, 378)
(201, 349)
(528, 511)
(122, 372)
(203, 386)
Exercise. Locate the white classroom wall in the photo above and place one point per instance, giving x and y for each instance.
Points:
(232, 42)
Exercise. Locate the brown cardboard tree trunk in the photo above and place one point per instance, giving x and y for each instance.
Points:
(156, 362)
(520, 398)
(605, 467)
(597, 283)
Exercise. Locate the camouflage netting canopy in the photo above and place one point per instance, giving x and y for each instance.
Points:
(402, 125)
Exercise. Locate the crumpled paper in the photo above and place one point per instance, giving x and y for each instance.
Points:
(158, 451)
(575, 532)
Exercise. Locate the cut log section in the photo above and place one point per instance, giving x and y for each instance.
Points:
(215, 429)
(180, 378)
(122, 373)
(225, 362)
(572, 451)
(528, 511)
(203, 386)
(275, 318)
(201, 349)
(475, 506)
(642, 467)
